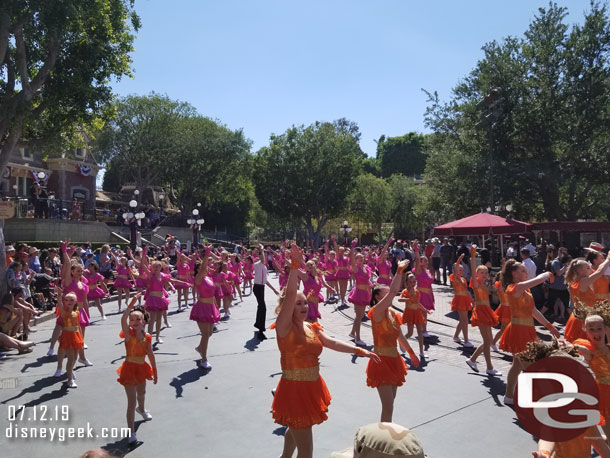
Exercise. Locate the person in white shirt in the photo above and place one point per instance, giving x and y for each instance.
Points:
(260, 280)
(528, 245)
(530, 265)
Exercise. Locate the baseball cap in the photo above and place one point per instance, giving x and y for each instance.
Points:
(383, 440)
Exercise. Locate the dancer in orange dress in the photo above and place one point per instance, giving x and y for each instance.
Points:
(597, 354)
(414, 314)
(389, 373)
(580, 278)
(503, 311)
(521, 329)
(71, 339)
(461, 302)
(301, 399)
(134, 371)
(601, 286)
(482, 315)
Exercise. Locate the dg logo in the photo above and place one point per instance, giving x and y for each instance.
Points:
(557, 399)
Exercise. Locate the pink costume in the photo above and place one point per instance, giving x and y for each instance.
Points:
(385, 273)
(372, 261)
(122, 280)
(184, 274)
(235, 268)
(95, 292)
(311, 289)
(248, 271)
(283, 279)
(424, 286)
(331, 270)
(81, 290)
(142, 279)
(361, 293)
(228, 289)
(205, 309)
(343, 272)
(217, 279)
(156, 298)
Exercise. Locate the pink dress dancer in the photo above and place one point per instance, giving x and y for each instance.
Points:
(81, 290)
(424, 286)
(248, 271)
(227, 289)
(217, 279)
(205, 310)
(95, 292)
(385, 273)
(156, 297)
(361, 293)
(343, 272)
(311, 288)
(331, 270)
(122, 280)
(235, 269)
(142, 280)
(184, 274)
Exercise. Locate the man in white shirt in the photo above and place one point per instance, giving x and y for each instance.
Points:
(530, 265)
(260, 280)
(528, 245)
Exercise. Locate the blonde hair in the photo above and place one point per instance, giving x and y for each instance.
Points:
(482, 268)
(593, 319)
(573, 268)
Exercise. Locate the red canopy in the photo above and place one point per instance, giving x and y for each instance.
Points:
(483, 224)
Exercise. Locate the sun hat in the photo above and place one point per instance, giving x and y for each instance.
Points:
(594, 246)
(383, 440)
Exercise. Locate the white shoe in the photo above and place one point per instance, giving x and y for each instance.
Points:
(493, 373)
(205, 365)
(85, 362)
(360, 343)
(494, 348)
(159, 340)
(423, 356)
(145, 414)
(472, 365)
(103, 317)
(85, 346)
(468, 344)
(508, 401)
(72, 384)
(51, 352)
(457, 340)
(168, 325)
(57, 373)
(426, 334)
(132, 439)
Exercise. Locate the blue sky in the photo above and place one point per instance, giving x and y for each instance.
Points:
(264, 65)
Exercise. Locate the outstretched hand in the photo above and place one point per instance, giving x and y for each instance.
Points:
(402, 266)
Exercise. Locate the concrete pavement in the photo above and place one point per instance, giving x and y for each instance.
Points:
(226, 412)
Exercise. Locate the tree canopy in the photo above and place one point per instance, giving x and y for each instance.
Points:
(404, 155)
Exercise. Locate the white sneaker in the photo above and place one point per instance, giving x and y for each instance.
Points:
(85, 346)
(457, 340)
(508, 401)
(468, 344)
(57, 373)
(132, 439)
(72, 384)
(493, 373)
(104, 317)
(51, 352)
(495, 348)
(205, 365)
(472, 365)
(159, 340)
(360, 343)
(85, 362)
(168, 325)
(145, 414)
(426, 334)
(423, 356)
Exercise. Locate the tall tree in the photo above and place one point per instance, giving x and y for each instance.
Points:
(308, 172)
(404, 155)
(549, 142)
(374, 198)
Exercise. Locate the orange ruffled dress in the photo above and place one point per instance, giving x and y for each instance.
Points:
(461, 297)
(482, 315)
(135, 370)
(601, 288)
(503, 310)
(579, 447)
(575, 327)
(521, 329)
(412, 313)
(71, 338)
(600, 365)
(391, 370)
(301, 398)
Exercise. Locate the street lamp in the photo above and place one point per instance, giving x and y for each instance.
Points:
(195, 224)
(345, 229)
(133, 219)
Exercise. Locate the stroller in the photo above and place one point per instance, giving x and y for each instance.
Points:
(42, 289)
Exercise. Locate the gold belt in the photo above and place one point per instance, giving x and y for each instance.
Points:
(522, 321)
(122, 276)
(183, 276)
(412, 306)
(156, 294)
(482, 303)
(135, 359)
(426, 290)
(384, 275)
(206, 300)
(385, 351)
(364, 287)
(71, 328)
(313, 299)
(309, 374)
(505, 304)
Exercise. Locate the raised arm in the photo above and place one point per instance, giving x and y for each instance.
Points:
(415, 246)
(334, 239)
(473, 265)
(525, 285)
(284, 318)
(66, 265)
(203, 267)
(587, 281)
(125, 316)
(385, 303)
(352, 255)
(384, 252)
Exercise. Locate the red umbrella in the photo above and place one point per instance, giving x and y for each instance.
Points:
(483, 224)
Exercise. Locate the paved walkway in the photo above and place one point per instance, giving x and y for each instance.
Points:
(225, 413)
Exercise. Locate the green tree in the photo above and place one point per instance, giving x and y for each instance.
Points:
(403, 155)
(374, 198)
(550, 145)
(308, 172)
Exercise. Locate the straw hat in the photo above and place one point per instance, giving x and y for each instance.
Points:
(594, 246)
(383, 440)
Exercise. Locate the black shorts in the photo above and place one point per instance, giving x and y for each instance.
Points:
(436, 263)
